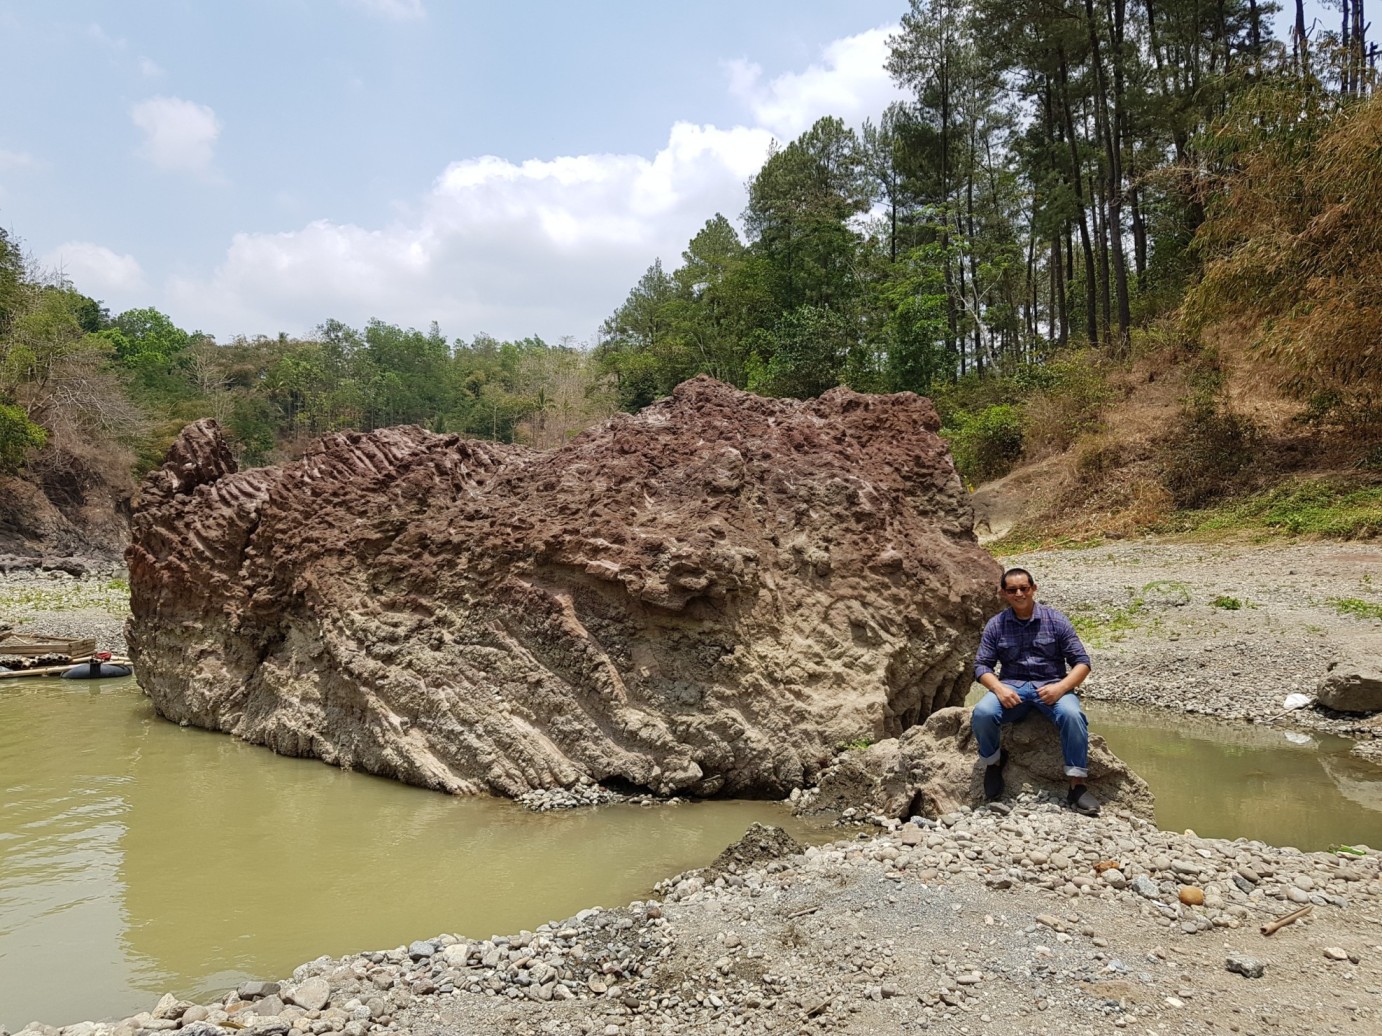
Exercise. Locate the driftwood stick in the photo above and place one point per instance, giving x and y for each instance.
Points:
(1282, 922)
(43, 671)
(803, 912)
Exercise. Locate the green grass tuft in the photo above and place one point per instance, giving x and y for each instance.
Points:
(1357, 608)
(1100, 630)
(1230, 604)
(1108, 628)
(1318, 507)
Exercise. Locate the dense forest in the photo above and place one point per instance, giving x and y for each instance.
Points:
(1110, 175)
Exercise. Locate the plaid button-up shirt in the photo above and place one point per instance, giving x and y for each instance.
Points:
(1040, 650)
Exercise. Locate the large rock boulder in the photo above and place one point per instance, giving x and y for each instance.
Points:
(934, 769)
(707, 597)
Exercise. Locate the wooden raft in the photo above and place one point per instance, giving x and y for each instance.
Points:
(32, 645)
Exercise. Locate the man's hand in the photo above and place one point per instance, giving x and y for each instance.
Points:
(1007, 697)
(1051, 693)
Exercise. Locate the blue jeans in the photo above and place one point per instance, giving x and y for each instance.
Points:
(990, 715)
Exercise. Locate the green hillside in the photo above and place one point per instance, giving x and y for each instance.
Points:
(1132, 251)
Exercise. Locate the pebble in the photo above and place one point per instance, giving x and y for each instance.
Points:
(1248, 967)
(1145, 887)
(311, 995)
(420, 950)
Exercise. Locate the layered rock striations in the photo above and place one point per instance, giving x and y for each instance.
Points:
(707, 597)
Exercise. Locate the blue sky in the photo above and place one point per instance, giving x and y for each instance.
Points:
(509, 168)
(256, 167)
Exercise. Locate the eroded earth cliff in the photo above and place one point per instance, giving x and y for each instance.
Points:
(707, 597)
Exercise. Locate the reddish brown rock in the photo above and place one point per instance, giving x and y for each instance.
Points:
(707, 597)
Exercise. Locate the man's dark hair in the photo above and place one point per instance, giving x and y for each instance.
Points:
(1003, 583)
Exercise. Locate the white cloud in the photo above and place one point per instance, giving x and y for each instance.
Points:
(95, 269)
(400, 10)
(149, 68)
(850, 82)
(95, 32)
(16, 160)
(545, 246)
(178, 135)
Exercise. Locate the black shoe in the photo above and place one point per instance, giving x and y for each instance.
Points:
(993, 778)
(1081, 801)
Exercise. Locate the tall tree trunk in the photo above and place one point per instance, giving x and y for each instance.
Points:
(1113, 130)
(1222, 50)
(1086, 245)
(1139, 235)
(970, 237)
(961, 288)
(953, 341)
(1060, 307)
(1360, 64)
(1098, 207)
(1299, 46)
(1029, 297)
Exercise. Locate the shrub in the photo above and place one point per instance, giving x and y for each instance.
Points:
(985, 444)
(18, 435)
(1069, 403)
(1212, 443)
(1100, 455)
(1292, 244)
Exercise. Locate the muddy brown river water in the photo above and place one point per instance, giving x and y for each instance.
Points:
(138, 858)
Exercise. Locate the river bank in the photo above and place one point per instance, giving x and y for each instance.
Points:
(997, 920)
(991, 921)
(56, 603)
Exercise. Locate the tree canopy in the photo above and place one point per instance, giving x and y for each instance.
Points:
(1108, 165)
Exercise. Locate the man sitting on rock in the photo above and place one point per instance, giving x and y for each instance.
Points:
(1032, 644)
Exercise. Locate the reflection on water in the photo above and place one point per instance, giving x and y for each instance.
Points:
(138, 858)
(1231, 780)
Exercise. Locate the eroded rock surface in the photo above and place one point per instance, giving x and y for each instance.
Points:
(706, 597)
(933, 769)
